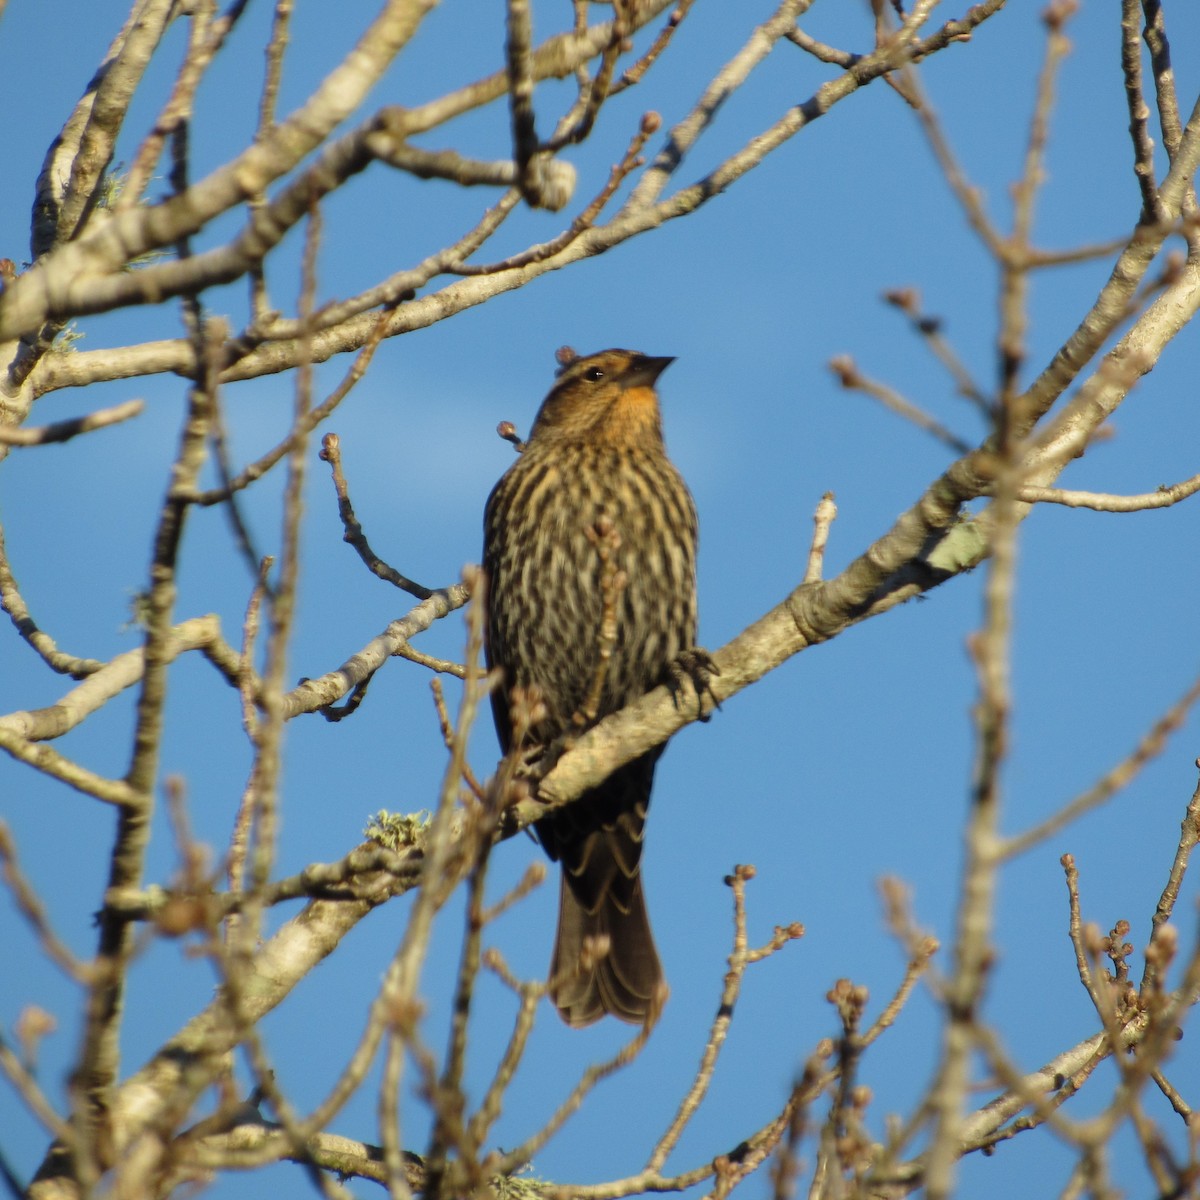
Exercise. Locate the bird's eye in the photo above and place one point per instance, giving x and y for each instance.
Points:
(593, 374)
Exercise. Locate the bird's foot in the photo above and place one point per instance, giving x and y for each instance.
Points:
(697, 665)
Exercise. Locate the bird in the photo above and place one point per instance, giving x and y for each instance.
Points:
(593, 526)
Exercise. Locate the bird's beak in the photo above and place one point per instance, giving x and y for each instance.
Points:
(644, 370)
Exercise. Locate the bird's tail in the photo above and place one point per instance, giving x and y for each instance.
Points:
(626, 981)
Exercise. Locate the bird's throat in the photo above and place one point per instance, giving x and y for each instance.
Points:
(632, 419)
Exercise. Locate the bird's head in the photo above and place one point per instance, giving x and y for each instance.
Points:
(605, 397)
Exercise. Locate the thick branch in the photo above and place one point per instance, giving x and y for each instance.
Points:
(641, 213)
(54, 286)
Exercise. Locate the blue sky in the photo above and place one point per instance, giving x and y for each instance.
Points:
(848, 764)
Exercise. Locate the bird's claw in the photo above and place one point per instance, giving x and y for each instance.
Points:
(698, 666)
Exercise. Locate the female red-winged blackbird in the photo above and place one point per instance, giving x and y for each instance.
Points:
(594, 460)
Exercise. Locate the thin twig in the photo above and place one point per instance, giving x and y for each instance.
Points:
(1075, 926)
(99, 1058)
(276, 48)
(112, 678)
(822, 51)
(1189, 834)
(633, 75)
(449, 735)
(908, 301)
(970, 197)
(530, 995)
(444, 868)
(595, 91)
(1164, 77)
(310, 420)
(446, 1095)
(249, 686)
(206, 36)
(443, 666)
(1147, 749)
(842, 1135)
(823, 518)
(740, 956)
(277, 44)
(973, 953)
(267, 767)
(518, 49)
(786, 1167)
(852, 379)
(917, 965)
(507, 431)
(63, 431)
(534, 877)
(1177, 1102)
(1014, 273)
(1139, 113)
(316, 695)
(33, 1098)
(237, 521)
(249, 691)
(393, 291)
(632, 160)
(14, 604)
(1163, 497)
(1045, 1104)
(31, 908)
(505, 1163)
(331, 452)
